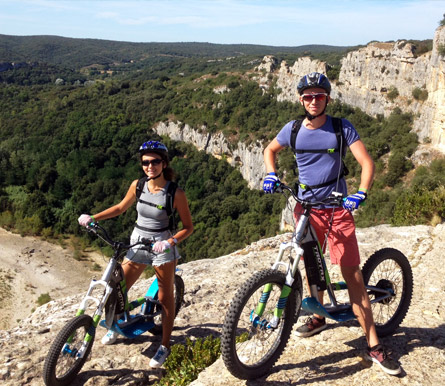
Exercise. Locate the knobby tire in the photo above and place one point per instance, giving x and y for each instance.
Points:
(60, 368)
(250, 352)
(389, 268)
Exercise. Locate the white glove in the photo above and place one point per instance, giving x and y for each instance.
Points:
(161, 246)
(85, 219)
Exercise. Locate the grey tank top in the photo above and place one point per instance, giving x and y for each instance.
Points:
(149, 216)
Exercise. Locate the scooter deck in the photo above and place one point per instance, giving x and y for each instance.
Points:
(131, 331)
(313, 306)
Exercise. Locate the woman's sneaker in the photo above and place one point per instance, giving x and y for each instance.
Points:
(110, 337)
(160, 357)
(378, 355)
(311, 326)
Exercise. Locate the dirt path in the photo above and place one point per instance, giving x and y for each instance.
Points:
(30, 267)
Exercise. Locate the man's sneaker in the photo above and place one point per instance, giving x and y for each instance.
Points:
(378, 355)
(160, 357)
(311, 326)
(110, 337)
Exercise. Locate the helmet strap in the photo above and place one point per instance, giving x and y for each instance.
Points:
(311, 117)
(153, 178)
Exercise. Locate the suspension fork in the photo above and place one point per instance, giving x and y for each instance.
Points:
(285, 291)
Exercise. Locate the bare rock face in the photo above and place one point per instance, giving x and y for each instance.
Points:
(332, 357)
(268, 64)
(247, 158)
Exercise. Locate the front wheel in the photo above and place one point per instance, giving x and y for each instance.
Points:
(389, 269)
(249, 346)
(179, 300)
(69, 351)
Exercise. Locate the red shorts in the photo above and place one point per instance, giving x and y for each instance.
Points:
(342, 242)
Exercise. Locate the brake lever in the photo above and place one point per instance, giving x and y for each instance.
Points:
(147, 244)
(91, 227)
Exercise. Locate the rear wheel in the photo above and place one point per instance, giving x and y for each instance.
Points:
(69, 351)
(249, 346)
(389, 269)
(179, 299)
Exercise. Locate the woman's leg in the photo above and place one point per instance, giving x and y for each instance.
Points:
(132, 271)
(166, 278)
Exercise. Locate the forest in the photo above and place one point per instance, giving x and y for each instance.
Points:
(70, 147)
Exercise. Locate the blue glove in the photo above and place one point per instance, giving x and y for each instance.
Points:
(270, 182)
(353, 201)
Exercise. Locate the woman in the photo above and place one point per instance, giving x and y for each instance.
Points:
(152, 222)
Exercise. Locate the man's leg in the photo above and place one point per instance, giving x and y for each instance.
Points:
(361, 306)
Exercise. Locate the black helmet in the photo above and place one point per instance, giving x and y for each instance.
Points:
(314, 79)
(154, 147)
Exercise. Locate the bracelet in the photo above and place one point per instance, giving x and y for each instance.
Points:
(363, 190)
(272, 174)
(92, 217)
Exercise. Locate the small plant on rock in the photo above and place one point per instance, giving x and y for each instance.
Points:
(185, 362)
(43, 299)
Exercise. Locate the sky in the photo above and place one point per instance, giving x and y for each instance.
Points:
(272, 22)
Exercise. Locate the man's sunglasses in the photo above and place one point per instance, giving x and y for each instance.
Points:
(154, 162)
(318, 97)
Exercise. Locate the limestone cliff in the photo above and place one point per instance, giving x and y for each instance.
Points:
(247, 158)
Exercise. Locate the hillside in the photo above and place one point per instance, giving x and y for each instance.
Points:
(77, 53)
(334, 357)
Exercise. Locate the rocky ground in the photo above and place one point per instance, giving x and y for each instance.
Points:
(333, 357)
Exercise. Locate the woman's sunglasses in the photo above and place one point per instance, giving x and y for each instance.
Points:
(318, 97)
(154, 162)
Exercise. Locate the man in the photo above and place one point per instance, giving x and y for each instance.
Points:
(320, 173)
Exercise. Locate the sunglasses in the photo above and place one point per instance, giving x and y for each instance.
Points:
(154, 162)
(318, 97)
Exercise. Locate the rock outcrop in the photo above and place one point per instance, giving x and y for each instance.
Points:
(247, 158)
(333, 357)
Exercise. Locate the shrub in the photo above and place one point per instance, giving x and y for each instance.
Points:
(43, 299)
(185, 362)
(393, 93)
(30, 226)
(97, 267)
(419, 206)
(419, 94)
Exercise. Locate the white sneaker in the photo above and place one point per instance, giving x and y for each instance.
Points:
(160, 357)
(110, 337)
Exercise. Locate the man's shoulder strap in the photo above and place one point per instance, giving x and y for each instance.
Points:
(294, 132)
(337, 124)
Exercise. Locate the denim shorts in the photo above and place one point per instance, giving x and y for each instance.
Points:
(138, 255)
